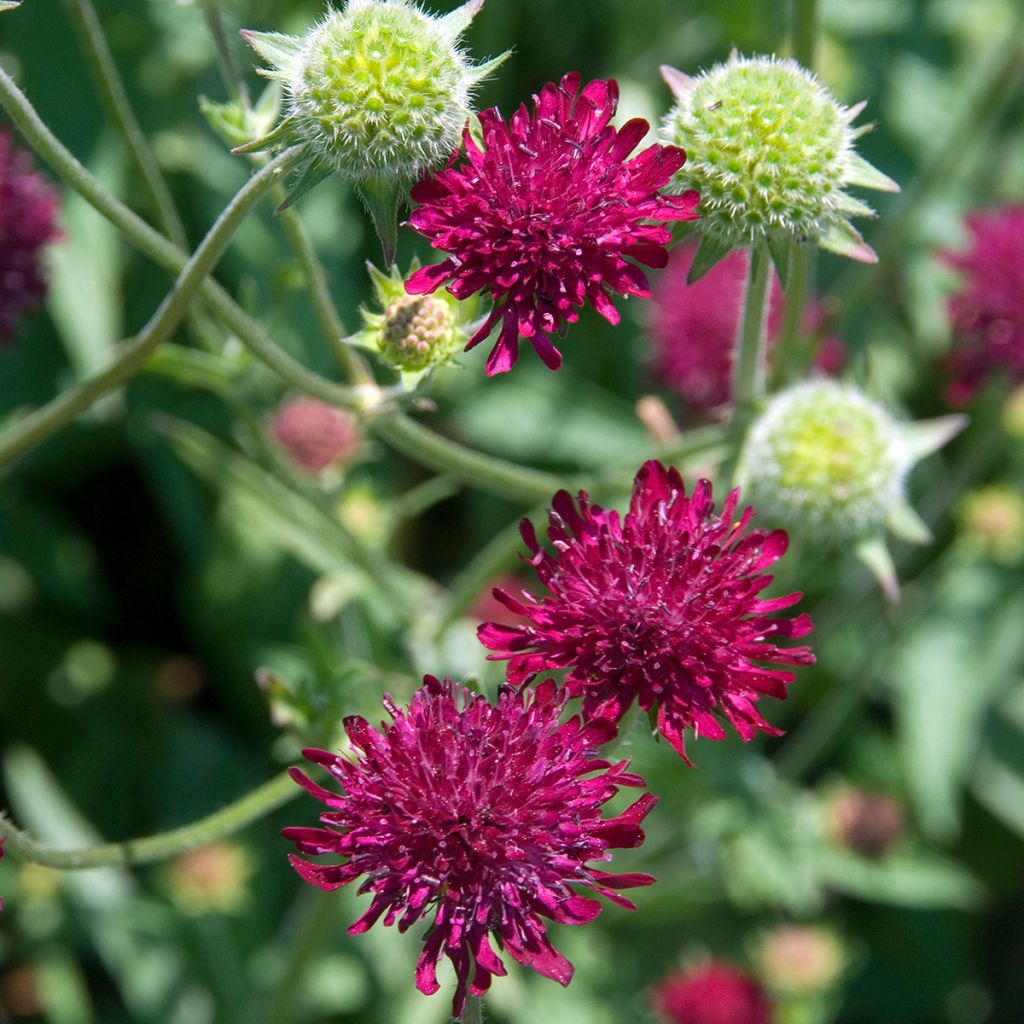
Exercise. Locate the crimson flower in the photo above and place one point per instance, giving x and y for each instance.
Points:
(27, 210)
(662, 608)
(712, 993)
(693, 327)
(548, 215)
(988, 311)
(480, 816)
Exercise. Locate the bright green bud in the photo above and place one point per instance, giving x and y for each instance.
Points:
(828, 463)
(378, 92)
(414, 334)
(771, 152)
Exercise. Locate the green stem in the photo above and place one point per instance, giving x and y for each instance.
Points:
(474, 1011)
(237, 815)
(999, 79)
(230, 72)
(115, 99)
(748, 367)
(35, 428)
(805, 31)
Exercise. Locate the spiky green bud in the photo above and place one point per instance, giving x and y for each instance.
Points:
(771, 152)
(377, 91)
(830, 464)
(414, 334)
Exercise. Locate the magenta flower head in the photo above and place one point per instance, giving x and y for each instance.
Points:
(481, 817)
(988, 311)
(712, 993)
(662, 607)
(549, 215)
(27, 210)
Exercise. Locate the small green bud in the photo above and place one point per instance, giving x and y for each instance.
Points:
(377, 91)
(771, 152)
(992, 523)
(415, 333)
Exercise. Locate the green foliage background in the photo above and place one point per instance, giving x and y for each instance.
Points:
(158, 553)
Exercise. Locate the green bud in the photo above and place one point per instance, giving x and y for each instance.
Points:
(771, 152)
(377, 91)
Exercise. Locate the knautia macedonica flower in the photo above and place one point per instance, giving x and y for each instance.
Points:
(712, 993)
(378, 91)
(414, 334)
(662, 607)
(693, 326)
(771, 152)
(825, 460)
(548, 215)
(28, 209)
(988, 311)
(315, 435)
(481, 818)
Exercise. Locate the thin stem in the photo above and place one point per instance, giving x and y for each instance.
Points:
(115, 99)
(230, 71)
(237, 815)
(35, 428)
(748, 366)
(474, 1011)
(789, 357)
(805, 31)
(1005, 66)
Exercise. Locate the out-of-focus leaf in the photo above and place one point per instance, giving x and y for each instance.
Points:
(923, 881)
(62, 989)
(854, 18)
(193, 368)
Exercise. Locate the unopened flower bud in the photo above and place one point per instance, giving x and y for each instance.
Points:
(867, 823)
(992, 523)
(771, 152)
(211, 878)
(799, 960)
(314, 435)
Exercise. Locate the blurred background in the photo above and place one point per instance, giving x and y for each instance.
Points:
(867, 868)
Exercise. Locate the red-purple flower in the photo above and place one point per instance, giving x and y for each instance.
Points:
(712, 993)
(988, 311)
(694, 328)
(483, 817)
(662, 607)
(27, 210)
(548, 215)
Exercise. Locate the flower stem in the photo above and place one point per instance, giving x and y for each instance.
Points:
(26, 433)
(749, 357)
(115, 99)
(474, 1011)
(237, 815)
(230, 72)
(805, 31)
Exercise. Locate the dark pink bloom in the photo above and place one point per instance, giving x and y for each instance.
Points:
(481, 817)
(549, 215)
(988, 311)
(315, 435)
(662, 607)
(27, 210)
(712, 993)
(694, 328)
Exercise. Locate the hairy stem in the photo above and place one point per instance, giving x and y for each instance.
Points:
(230, 71)
(474, 1011)
(748, 364)
(237, 815)
(26, 433)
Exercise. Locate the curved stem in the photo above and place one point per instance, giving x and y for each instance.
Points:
(748, 364)
(26, 433)
(237, 815)
(115, 99)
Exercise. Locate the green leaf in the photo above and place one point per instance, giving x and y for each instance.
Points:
(710, 252)
(194, 368)
(313, 173)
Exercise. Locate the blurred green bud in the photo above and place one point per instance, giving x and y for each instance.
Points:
(992, 523)
(414, 334)
(771, 152)
(377, 91)
(210, 879)
(1013, 414)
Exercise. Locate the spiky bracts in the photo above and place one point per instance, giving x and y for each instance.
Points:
(771, 152)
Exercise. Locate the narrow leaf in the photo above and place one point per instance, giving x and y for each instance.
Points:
(711, 251)
(860, 172)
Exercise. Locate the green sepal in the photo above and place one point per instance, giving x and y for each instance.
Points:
(282, 135)
(679, 83)
(860, 172)
(383, 198)
(481, 71)
(710, 252)
(456, 22)
(843, 238)
(907, 524)
(278, 49)
(313, 173)
(852, 207)
(874, 553)
(411, 378)
(928, 436)
(780, 248)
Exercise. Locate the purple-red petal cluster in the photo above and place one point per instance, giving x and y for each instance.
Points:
(712, 993)
(551, 213)
(988, 311)
(482, 818)
(663, 607)
(28, 207)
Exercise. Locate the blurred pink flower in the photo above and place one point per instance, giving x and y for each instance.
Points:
(712, 993)
(315, 435)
